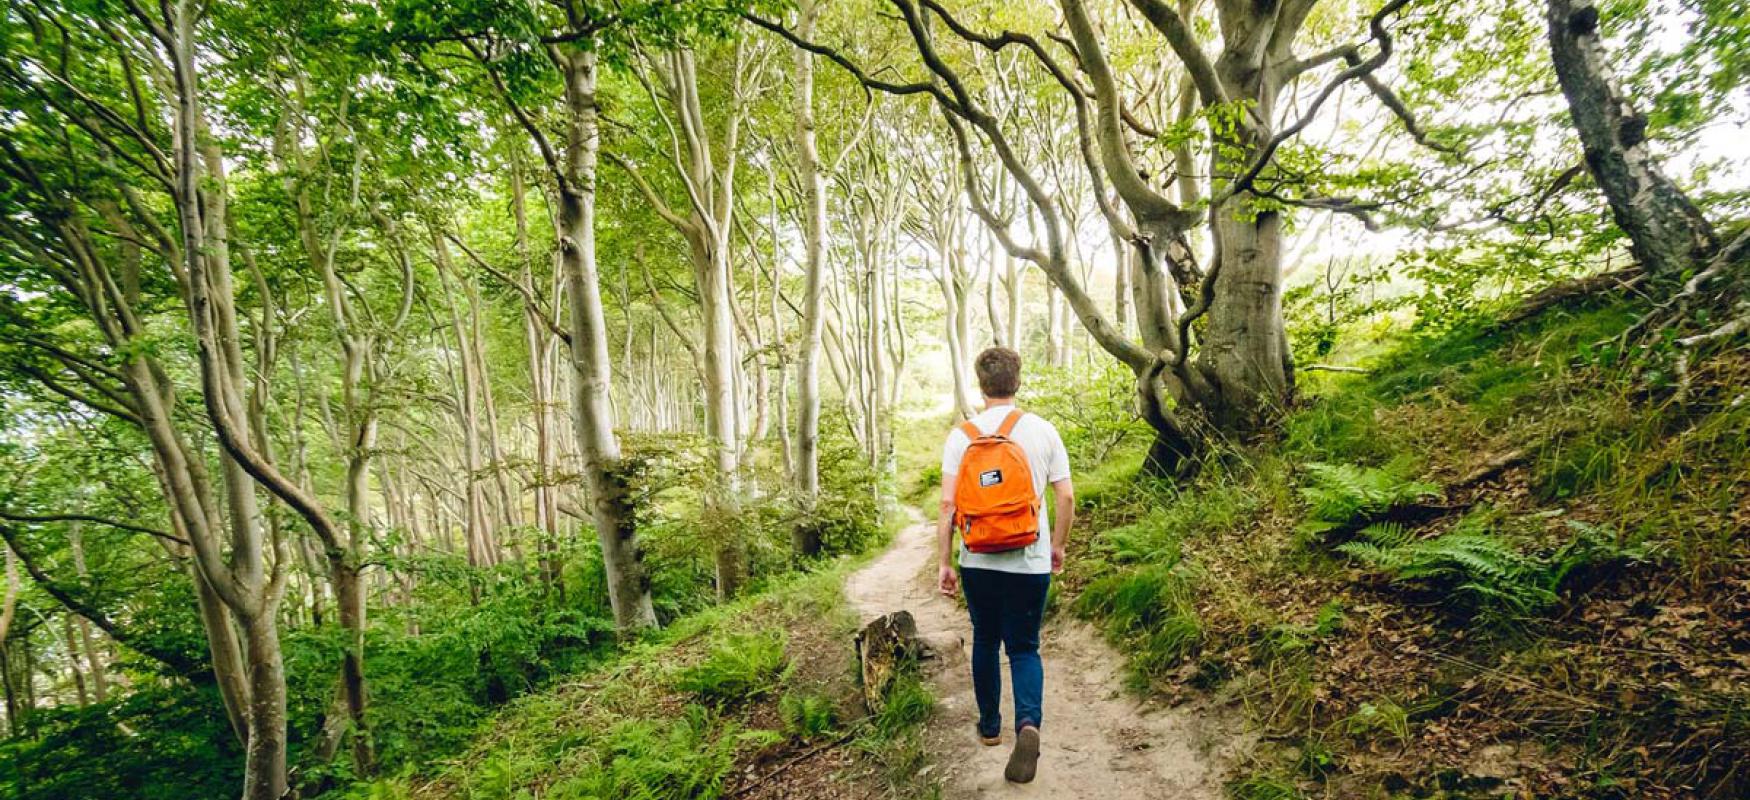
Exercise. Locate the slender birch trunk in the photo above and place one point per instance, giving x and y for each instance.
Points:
(805, 537)
(610, 491)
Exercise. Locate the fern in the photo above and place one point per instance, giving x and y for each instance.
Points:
(1470, 560)
(1339, 493)
(1594, 548)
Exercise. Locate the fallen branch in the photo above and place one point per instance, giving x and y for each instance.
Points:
(1493, 467)
(804, 756)
(1537, 303)
(1335, 368)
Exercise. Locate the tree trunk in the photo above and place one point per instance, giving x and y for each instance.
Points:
(1123, 301)
(1054, 333)
(1012, 286)
(541, 390)
(73, 672)
(482, 552)
(805, 538)
(711, 275)
(953, 306)
(8, 610)
(611, 499)
(1242, 351)
(1667, 233)
(264, 761)
(88, 641)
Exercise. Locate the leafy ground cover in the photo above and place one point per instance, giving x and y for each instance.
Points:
(753, 699)
(1491, 565)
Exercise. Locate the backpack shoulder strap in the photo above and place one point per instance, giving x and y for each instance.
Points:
(1009, 422)
(972, 432)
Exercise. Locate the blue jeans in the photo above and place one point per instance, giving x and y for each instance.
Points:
(1006, 609)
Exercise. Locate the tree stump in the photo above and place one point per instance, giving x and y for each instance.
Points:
(885, 646)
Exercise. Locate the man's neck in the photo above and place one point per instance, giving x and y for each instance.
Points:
(993, 402)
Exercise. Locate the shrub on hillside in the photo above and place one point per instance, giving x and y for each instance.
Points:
(1093, 405)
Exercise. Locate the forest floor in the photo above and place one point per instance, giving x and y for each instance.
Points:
(1098, 740)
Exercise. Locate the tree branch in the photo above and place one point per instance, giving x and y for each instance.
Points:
(1184, 43)
(118, 524)
(179, 663)
(531, 297)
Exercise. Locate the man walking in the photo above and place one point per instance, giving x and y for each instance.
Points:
(995, 468)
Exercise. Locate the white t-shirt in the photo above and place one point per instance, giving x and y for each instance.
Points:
(1048, 462)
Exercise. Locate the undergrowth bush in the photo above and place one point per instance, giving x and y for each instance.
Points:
(1092, 404)
(739, 667)
(894, 738)
(660, 759)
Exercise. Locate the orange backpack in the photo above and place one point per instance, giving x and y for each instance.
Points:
(995, 507)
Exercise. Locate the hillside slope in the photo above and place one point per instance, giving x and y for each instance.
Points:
(1491, 566)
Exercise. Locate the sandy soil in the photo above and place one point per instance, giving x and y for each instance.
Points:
(1098, 741)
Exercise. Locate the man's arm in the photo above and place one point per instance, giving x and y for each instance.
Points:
(947, 580)
(1063, 501)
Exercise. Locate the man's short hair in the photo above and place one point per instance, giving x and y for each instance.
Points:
(999, 372)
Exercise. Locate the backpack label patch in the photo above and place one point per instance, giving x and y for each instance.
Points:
(990, 477)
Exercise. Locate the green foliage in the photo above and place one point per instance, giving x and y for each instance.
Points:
(668, 759)
(1151, 611)
(1475, 564)
(1339, 493)
(909, 704)
(1092, 404)
(848, 515)
(1592, 552)
(1380, 716)
(807, 716)
(895, 737)
(1470, 560)
(739, 667)
(1285, 640)
(1264, 786)
(1150, 539)
(164, 741)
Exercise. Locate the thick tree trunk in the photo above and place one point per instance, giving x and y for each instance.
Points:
(350, 597)
(1242, 352)
(1243, 347)
(264, 761)
(711, 275)
(591, 382)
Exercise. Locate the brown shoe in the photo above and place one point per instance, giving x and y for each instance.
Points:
(990, 741)
(1024, 759)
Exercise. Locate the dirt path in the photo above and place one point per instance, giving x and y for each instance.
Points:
(1098, 742)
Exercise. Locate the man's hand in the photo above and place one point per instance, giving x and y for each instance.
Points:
(948, 581)
(1063, 500)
